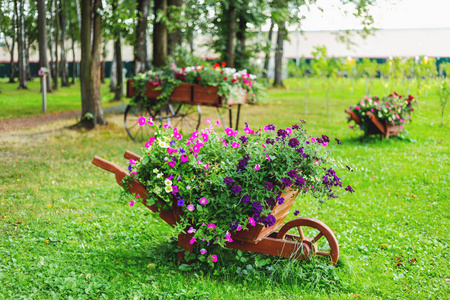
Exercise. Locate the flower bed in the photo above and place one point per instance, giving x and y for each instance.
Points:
(387, 115)
(221, 184)
(216, 86)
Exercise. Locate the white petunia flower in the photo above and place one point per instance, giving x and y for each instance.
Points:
(159, 175)
(168, 182)
(155, 170)
(168, 189)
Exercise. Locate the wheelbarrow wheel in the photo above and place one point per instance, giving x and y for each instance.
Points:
(131, 120)
(316, 237)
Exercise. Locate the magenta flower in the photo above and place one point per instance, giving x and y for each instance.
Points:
(350, 126)
(224, 143)
(239, 228)
(176, 134)
(247, 130)
(313, 139)
(288, 130)
(213, 258)
(141, 121)
(268, 158)
(211, 226)
(190, 207)
(205, 137)
(203, 251)
(192, 241)
(229, 131)
(235, 145)
(150, 142)
(251, 221)
(172, 163)
(131, 202)
(174, 189)
(208, 120)
(167, 126)
(257, 167)
(192, 230)
(184, 158)
(150, 121)
(203, 201)
(207, 166)
(172, 150)
(218, 123)
(357, 107)
(132, 161)
(228, 237)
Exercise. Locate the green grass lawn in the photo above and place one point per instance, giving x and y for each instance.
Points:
(16, 103)
(64, 233)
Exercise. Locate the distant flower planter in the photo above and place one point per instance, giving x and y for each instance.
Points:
(383, 116)
(194, 94)
(376, 126)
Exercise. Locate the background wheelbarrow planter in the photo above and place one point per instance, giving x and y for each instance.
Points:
(385, 117)
(234, 204)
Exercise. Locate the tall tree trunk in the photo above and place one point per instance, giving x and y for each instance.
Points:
(147, 62)
(103, 64)
(22, 49)
(140, 46)
(241, 36)
(118, 93)
(56, 74)
(62, 20)
(230, 16)
(268, 51)
(174, 36)
(50, 41)
(278, 81)
(112, 75)
(91, 105)
(74, 64)
(159, 35)
(42, 39)
(12, 66)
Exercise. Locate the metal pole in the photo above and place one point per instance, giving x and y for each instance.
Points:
(44, 93)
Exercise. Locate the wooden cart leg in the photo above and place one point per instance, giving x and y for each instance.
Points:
(184, 242)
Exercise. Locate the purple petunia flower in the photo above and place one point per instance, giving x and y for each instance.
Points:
(243, 139)
(268, 186)
(292, 174)
(270, 141)
(300, 181)
(302, 121)
(257, 208)
(129, 168)
(325, 138)
(271, 202)
(282, 133)
(280, 199)
(338, 142)
(180, 202)
(349, 189)
(296, 213)
(182, 150)
(236, 189)
(228, 180)
(269, 220)
(293, 143)
(286, 181)
(245, 198)
(295, 127)
(269, 127)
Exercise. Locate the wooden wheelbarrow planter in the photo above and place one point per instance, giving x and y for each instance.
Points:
(376, 126)
(260, 239)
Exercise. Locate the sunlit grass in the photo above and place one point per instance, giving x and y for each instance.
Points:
(64, 232)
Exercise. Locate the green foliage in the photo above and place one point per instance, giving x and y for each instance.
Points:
(444, 96)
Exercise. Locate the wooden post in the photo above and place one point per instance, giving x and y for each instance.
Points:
(43, 72)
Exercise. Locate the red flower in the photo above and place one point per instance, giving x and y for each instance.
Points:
(223, 64)
(198, 78)
(216, 66)
(225, 78)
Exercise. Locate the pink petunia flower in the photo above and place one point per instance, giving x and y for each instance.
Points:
(167, 126)
(203, 251)
(229, 131)
(357, 107)
(235, 145)
(208, 120)
(190, 207)
(203, 201)
(213, 258)
(141, 121)
(175, 189)
(239, 228)
(131, 202)
(350, 126)
(211, 226)
(132, 161)
(172, 163)
(192, 241)
(268, 158)
(176, 134)
(218, 123)
(171, 150)
(257, 167)
(225, 143)
(251, 221)
(150, 121)
(191, 230)
(184, 158)
(288, 130)
(207, 166)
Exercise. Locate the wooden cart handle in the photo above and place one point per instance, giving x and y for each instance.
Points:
(111, 167)
(354, 116)
(128, 154)
(376, 122)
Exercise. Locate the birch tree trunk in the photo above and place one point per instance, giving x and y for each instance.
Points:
(269, 50)
(62, 19)
(140, 46)
(278, 81)
(159, 35)
(22, 49)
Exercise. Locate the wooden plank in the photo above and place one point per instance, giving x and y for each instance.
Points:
(354, 117)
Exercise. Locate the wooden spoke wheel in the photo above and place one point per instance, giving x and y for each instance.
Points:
(131, 120)
(316, 238)
(186, 118)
